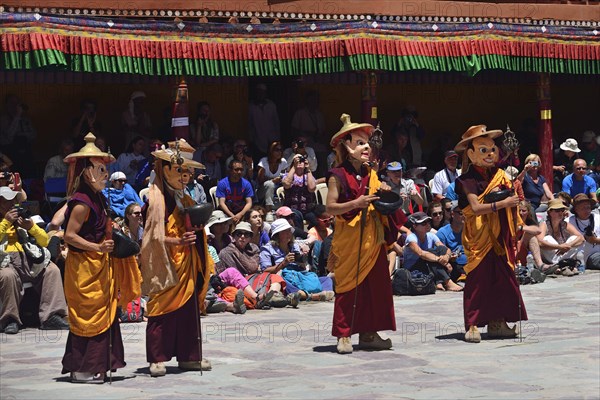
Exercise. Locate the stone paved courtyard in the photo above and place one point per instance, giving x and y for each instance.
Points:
(289, 354)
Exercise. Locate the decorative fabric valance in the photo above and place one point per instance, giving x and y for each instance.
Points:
(85, 44)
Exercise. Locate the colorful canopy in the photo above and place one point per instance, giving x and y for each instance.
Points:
(85, 44)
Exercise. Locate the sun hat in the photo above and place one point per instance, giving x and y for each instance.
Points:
(347, 127)
(394, 166)
(582, 197)
(7, 193)
(570, 145)
(472, 133)
(217, 217)
(117, 175)
(280, 225)
(556, 204)
(243, 226)
(283, 211)
(419, 217)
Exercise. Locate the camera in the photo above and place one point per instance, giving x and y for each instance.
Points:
(300, 144)
(23, 212)
(297, 257)
(588, 231)
(247, 152)
(535, 164)
(301, 159)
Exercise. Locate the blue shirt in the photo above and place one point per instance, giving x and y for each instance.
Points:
(453, 241)
(410, 257)
(120, 199)
(572, 186)
(272, 255)
(235, 193)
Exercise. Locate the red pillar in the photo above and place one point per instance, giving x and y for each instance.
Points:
(180, 123)
(369, 98)
(545, 130)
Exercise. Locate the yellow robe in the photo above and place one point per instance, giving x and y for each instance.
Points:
(94, 285)
(480, 232)
(345, 244)
(187, 264)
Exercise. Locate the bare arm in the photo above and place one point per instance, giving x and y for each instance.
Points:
(335, 208)
(547, 191)
(574, 232)
(482, 209)
(78, 216)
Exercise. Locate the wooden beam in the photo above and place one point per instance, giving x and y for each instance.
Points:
(529, 10)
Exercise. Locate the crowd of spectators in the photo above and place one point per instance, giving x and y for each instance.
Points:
(270, 232)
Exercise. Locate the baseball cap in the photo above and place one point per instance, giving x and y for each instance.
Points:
(419, 217)
(394, 166)
(8, 193)
(283, 212)
(450, 153)
(588, 136)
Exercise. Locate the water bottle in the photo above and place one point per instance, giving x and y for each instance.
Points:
(530, 262)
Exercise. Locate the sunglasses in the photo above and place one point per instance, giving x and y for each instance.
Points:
(326, 219)
(244, 234)
(136, 213)
(580, 168)
(238, 169)
(121, 180)
(437, 214)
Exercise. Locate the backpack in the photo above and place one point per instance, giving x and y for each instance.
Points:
(404, 283)
(134, 312)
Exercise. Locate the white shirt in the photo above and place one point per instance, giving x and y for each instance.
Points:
(264, 162)
(441, 181)
(588, 248)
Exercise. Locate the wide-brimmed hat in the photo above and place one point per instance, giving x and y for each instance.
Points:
(418, 217)
(280, 225)
(349, 126)
(89, 150)
(570, 145)
(556, 204)
(217, 217)
(244, 227)
(8, 193)
(472, 133)
(581, 198)
(182, 157)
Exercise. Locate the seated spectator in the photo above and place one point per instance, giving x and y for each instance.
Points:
(579, 182)
(566, 200)
(142, 178)
(445, 177)
(590, 151)
(291, 217)
(205, 132)
(299, 187)
(436, 214)
(133, 222)
(535, 188)
(559, 240)
(16, 268)
(135, 120)
(300, 147)
(412, 200)
(241, 152)
(211, 159)
(196, 191)
(219, 225)
(425, 252)
(588, 225)
(244, 256)
(132, 159)
(17, 134)
(86, 123)
(120, 194)
(563, 161)
(234, 193)
(283, 255)
(260, 232)
(447, 207)
(321, 230)
(12, 180)
(56, 167)
(451, 236)
(527, 241)
(270, 172)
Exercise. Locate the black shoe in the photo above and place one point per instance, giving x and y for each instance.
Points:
(12, 328)
(55, 322)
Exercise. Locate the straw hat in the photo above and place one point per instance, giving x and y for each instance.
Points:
(186, 152)
(347, 127)
(581, 198)
(556, 204)
(472, 133)
(89, 150)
